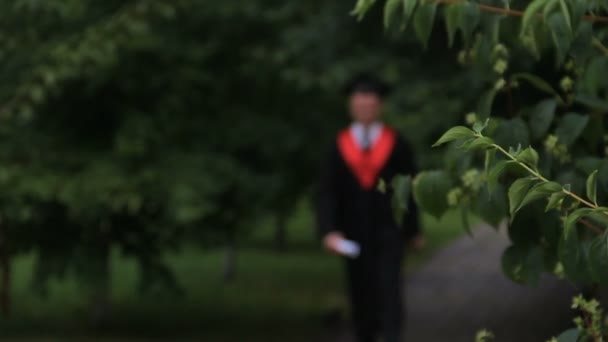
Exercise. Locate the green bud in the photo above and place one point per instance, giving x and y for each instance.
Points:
(499, 84)
(566, 84)
(501, 66)
(550, 142)
(500, 49)
(472, 179)
(462, 57)
(484, 336)
(454, 196)
(558, 270)
(471, 118)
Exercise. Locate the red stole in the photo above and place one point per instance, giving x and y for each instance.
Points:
(366, 165)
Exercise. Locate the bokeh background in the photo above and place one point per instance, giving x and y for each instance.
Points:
(158, 162)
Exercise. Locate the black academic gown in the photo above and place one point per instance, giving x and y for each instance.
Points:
(350, 203)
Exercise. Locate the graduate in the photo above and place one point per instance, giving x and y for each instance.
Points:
(356, 220)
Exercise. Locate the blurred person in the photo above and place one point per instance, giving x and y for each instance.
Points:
(350, 207)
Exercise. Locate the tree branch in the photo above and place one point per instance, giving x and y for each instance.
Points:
(591, 226)
(514, 13)
(599, 45)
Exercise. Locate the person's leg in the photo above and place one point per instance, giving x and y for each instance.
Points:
(390, 280)
(362, 300)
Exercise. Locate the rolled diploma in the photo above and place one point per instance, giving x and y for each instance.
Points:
(348, 248)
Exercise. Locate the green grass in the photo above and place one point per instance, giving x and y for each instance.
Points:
(275, 296)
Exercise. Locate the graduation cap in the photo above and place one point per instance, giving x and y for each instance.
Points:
(366, 83)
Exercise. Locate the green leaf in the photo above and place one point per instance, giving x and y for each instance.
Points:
(361, 8)
(390, 8)
(550, 227)
(582, 39)
(570, 335)
(489, 160)
(530, 13)
(491, 25)
(592, 186)
(536, 81)
(522, 264)
(572, 253)
(495, 173)
(423, 21)
(408, 9)
(455, 133)
(453, 13)
(401, 185)
(540, 190)
(478, 143)
(591, 102)
(512, 260)
(529, 156)
(530, 42)
(478, 127)
(554, 200)
(469, 19)
(542, 117)
(593, 80)
(562, 35)
(430, 191)
(579, 8)
(517, 192)
(598, 259)
(515, 151)
(402, 188)
(572, 219)
(493, 208)
(484, 107)
(549, 7)
(566, 14)
(525, 229)
(570, 127)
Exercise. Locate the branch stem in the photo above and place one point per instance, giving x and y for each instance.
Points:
(542, 178)
(529, 169)
(514, 13)
(599, 45)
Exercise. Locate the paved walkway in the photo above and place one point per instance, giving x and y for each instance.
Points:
(462, 290)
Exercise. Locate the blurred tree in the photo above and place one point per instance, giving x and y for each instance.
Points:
(143, 125)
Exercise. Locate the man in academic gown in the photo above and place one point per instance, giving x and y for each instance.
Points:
(350, 207)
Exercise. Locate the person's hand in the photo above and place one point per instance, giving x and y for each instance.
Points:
(418, 242)
(331, 240)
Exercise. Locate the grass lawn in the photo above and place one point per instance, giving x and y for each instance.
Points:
(275, 296)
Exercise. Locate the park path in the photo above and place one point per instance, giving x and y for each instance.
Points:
(461, 290)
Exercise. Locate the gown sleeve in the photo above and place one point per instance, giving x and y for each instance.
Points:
(407, 166)
(327, 201)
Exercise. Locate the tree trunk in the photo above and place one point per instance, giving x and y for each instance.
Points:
(5, 272)
(230, 259)
(99, 277)
(280, 235)
(99, 305)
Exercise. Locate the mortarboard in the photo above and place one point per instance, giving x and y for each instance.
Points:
(366, 83)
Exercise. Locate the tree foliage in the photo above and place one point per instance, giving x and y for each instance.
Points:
(534, 147)
(129, 125)
(145, 125)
